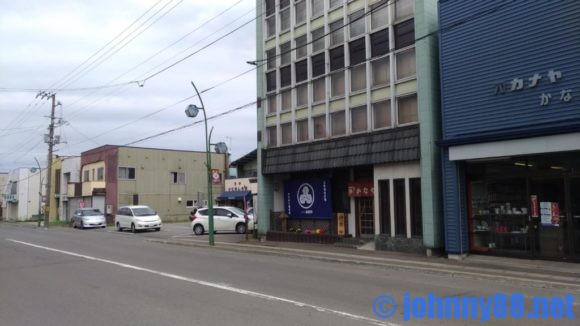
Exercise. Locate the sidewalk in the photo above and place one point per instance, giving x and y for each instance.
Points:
(535, 273)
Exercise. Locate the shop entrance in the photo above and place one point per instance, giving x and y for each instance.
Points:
(365, 216)
(548, 201)
(575, 216)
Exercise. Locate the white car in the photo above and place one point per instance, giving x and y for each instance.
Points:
(88, 218)
(137, 218)
(225, 219)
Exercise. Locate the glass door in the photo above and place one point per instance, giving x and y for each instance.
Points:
(365, 216)
(549, 220)
(575, 217)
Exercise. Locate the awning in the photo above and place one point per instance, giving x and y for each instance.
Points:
(233, 195)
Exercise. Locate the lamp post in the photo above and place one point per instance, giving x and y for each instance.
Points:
(191, 112)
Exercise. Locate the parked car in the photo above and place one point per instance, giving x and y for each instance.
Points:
(137, 218)
(225, 219)
(88, 218)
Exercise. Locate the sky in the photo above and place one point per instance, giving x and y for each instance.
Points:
(122, 71)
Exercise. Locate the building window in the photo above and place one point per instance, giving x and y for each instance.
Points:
(126, 173)
(406, 64)
(385, 206)
(302, 95)
(189, 203)
(285, 76)
(271, 57)
(357, 51)
(271, 131)
(336, 32)
(270, 7)
(416, 214)
(381, 73)
(319, 124)
(358, 78)
(86, 176)
(337, 83)
(357, 23)
(317, 7)
(285, 51)
(177, 178)
(319, 90)
(380, 43)
(301, 48)
(271, 26)
(300, 11)
(337, 123)
(301, 70)
(94, 177)
(271, 81)
(302, 130)
(403, 8)
(400, 207)
(285, 19)
(407, 109)
(358, 119)
(405, 34)
(287, 100)
(379, 14)
(101, 174)
(382, 115)
(272, 104)
(336, 58)
(317, 39)
(318, 66)
(334, 3)
(286, 133)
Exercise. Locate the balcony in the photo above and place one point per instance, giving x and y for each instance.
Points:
(10, 198)
(90, 186)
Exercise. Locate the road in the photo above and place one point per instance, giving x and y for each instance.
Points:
(100, 277)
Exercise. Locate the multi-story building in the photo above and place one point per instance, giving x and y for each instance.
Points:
(65, 175)
(348, 119)
(169, 181)
(21, 194)
(3, 185)
(511, 127)
(243, 186)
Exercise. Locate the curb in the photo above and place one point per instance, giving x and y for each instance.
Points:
(528, 279)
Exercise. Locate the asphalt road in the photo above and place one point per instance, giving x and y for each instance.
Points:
(98, 277)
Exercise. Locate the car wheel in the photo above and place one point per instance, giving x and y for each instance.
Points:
(74, 225)
(119, 229)
(198, 229)
(241, 228)
(157, 229)
(133, 228)
(104, 226)
(82, 227)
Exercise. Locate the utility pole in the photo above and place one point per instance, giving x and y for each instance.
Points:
(50, 139)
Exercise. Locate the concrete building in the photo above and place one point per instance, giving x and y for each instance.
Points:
(21, 199)
(348, 119)
(3, 185)
(169, 181)
(244, 186)
(511, 128)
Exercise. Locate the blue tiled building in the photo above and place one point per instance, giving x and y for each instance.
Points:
(510, 88)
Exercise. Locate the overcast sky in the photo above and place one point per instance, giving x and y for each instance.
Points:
(43, 42)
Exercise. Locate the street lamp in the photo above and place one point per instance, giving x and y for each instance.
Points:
(220, 148)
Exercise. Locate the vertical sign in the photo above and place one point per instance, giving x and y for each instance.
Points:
(534, 206)
(216, 178)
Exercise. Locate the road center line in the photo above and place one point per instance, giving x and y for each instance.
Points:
(215, 285)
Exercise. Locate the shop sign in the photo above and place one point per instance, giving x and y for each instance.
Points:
(550, 213)
(519, 84)
(216, 177)
(361, 189)
(308, 198)
(534, 206)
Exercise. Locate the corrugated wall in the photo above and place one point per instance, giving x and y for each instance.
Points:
(494, 42)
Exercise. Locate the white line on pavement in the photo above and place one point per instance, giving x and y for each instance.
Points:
(215, 285)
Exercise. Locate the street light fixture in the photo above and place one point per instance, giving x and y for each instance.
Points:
(220, 148)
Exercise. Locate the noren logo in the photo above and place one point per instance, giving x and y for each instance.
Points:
(305, 195)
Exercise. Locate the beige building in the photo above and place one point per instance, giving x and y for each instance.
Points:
(169, 181)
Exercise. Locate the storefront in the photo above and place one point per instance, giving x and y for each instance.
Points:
(511, 129)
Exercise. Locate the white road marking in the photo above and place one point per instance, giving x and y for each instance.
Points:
(216, 286)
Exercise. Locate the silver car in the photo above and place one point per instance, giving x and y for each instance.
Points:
(88, 218)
